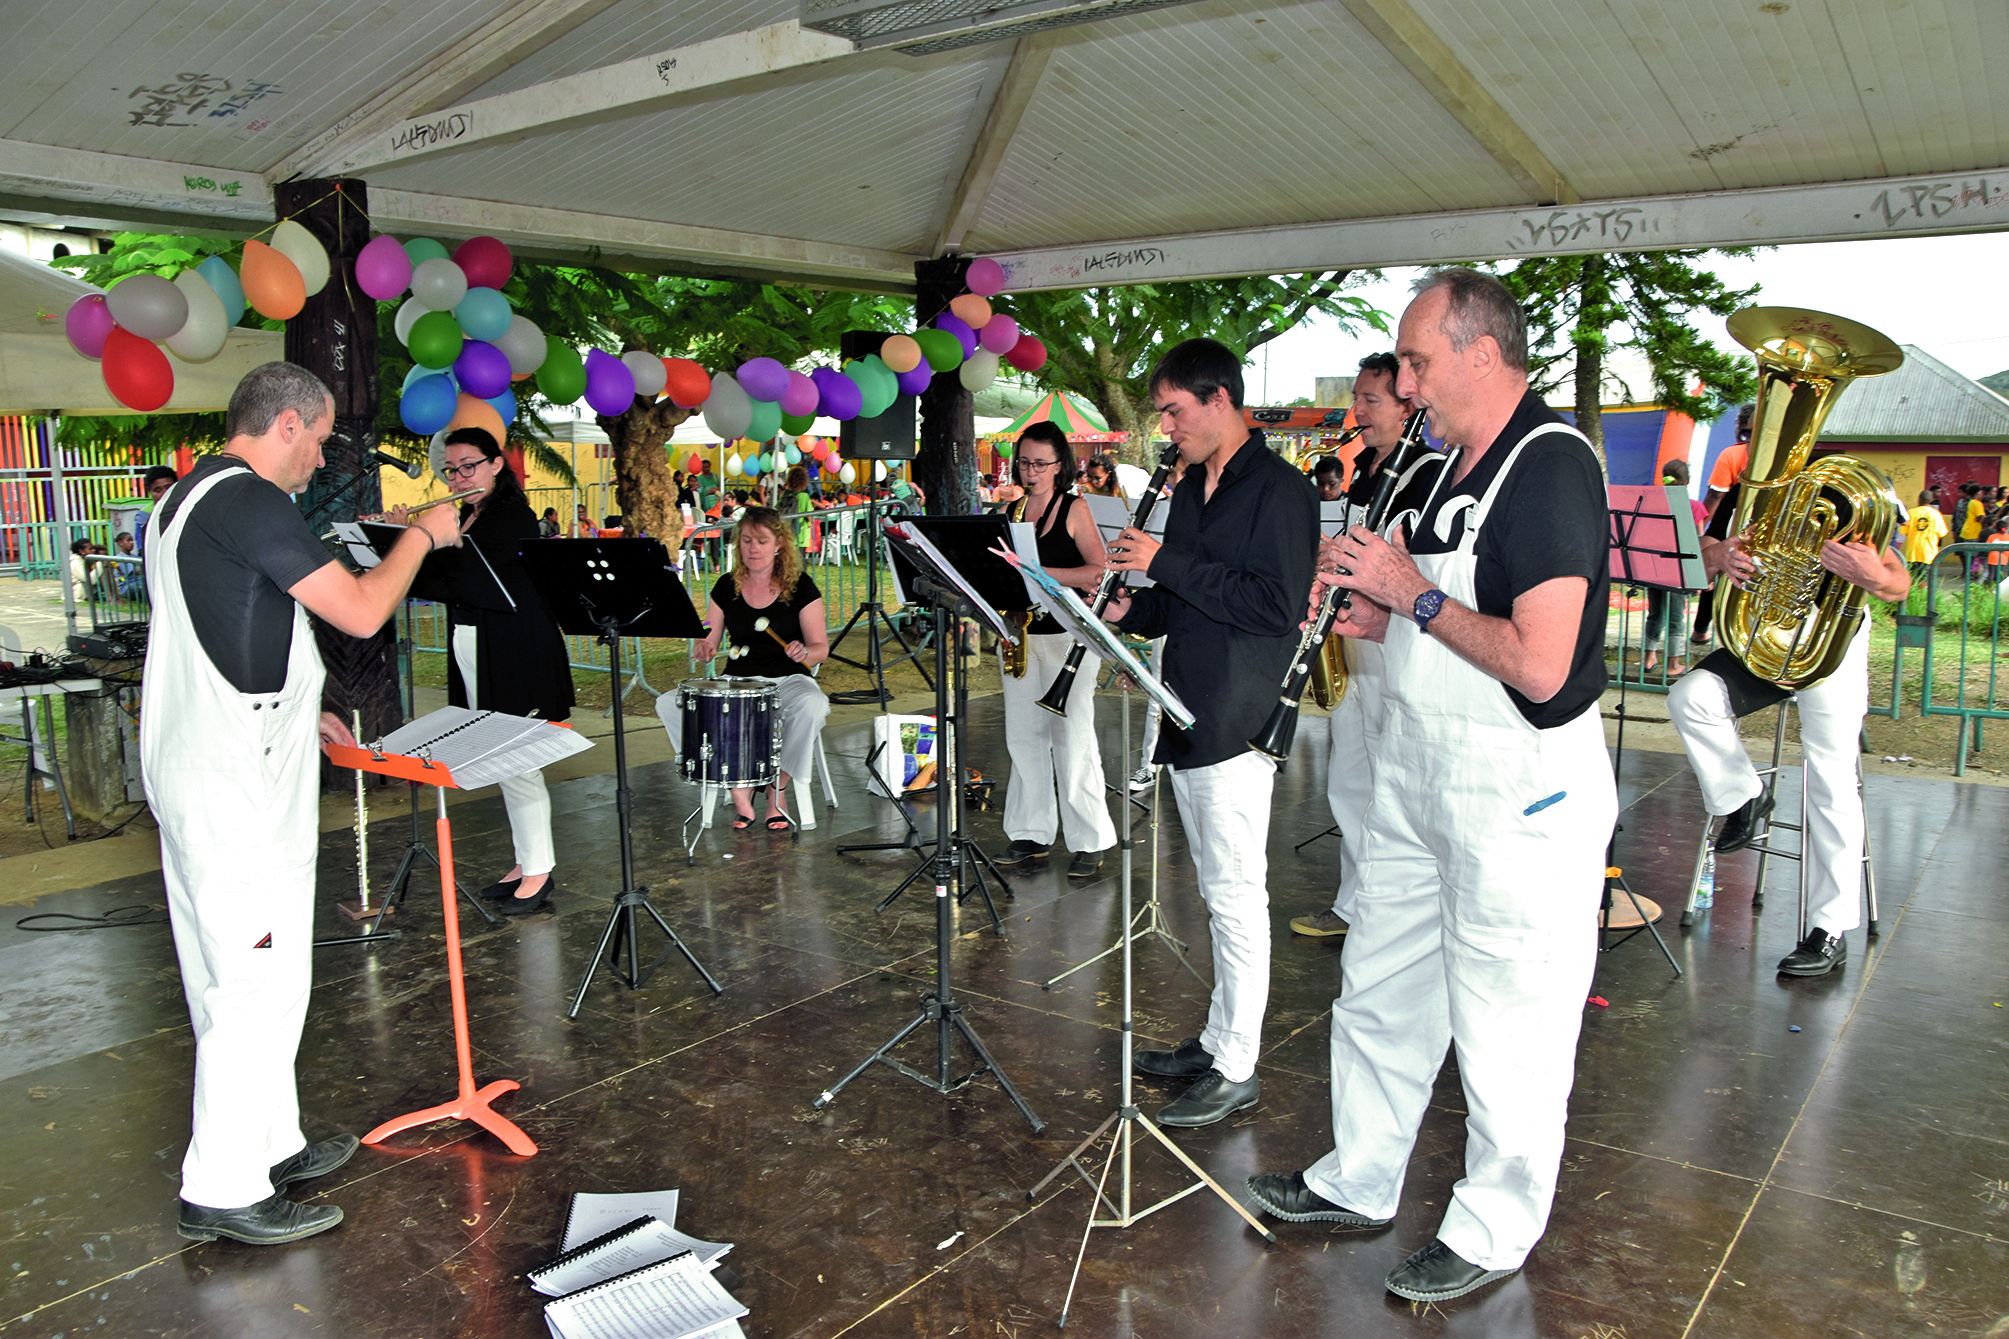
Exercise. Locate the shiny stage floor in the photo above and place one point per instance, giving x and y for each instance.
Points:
(1725, 1174)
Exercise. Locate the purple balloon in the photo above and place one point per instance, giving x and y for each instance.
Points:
(960, 328)
(999, 335)
(763, 379)
(916, 381)
(799, 400)
(610, 386)
(89, 324)
(837, 394)
(482, 369)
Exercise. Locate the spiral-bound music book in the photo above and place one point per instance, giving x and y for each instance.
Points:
(481, 748)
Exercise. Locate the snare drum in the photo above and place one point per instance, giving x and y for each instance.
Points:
(731, 732)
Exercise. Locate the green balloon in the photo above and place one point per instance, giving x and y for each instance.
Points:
(1005, 449)
(766, 420)
(797, 424)
(435, 340)
(425, 248)
(880, 385)
(562, 375)
(943, 350)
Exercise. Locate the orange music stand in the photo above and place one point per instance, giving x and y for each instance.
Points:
(470, 1103)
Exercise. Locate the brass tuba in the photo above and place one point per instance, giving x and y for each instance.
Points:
(1793, 622)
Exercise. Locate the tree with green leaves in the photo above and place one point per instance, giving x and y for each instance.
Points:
(1101, 342)
(1580, 308)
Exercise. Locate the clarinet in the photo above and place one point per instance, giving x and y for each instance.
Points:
(1055, 699)
(1275, 739)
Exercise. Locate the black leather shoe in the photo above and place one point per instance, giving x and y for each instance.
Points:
(500, 889)
(1085, 865)
(523, 906)
(1188, 1060)
(1289, 1198)
(316, 1159)
(1212, 1097)
(270, 1222)
(1818, 954)
(1743, 823)
(1437, 1274)
(1024, 853)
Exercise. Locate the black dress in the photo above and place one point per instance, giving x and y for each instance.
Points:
(520, 663)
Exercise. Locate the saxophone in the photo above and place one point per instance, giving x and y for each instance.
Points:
(1792, 623)
(1015, 654)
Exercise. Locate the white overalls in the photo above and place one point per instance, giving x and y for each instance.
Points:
(232, 779)
(1475, 924)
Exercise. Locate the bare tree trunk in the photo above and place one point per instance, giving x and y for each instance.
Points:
(335, 337)
(946, 466)
(1593, 319)
(643, 470)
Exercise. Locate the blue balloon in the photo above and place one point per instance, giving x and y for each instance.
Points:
(483, 314)
(505, 405)
(427, 405)
(418, 371)
(217, 272)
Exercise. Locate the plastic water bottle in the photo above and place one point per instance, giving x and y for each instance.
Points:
(1705, 887)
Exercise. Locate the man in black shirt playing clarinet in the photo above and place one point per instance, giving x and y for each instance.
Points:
(1228, 595)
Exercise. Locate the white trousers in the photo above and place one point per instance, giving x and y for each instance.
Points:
(1056, 763)
(1476, 925)
(1831, 717)
(525, 798)
(1349, 782)
(800, 709)
(1153, 713)
(1225, 810)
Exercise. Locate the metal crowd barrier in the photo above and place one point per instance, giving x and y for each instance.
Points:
(1963, 604)
(114, 589)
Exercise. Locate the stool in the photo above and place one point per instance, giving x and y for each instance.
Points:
(1768, 777)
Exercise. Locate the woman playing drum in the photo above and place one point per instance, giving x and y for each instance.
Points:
(769, 616)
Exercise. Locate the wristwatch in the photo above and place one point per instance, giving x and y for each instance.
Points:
(1428, 605)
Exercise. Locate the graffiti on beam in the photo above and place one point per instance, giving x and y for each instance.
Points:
(1590, 226)
(440, 130)
(193, 98)
(211, 185)
(665, 67)
(1129, 258)
(1931, 201)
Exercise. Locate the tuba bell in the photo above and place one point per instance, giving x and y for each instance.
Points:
(1792, 622)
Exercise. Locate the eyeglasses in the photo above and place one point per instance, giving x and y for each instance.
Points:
(1025, 464)
(453, 472)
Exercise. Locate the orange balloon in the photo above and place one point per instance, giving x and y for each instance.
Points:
(272, 283)
(686, 383)
(469, 412)
(973, 308)
(900, 353)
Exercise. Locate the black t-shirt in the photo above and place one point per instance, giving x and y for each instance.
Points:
(1057, 548)
(246, 546)
(760, 655)
(1550, 520)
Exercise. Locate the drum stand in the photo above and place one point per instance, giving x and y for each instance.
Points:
(1150, 918)
(941, 1007)
(1126, 1119)
(621, 936)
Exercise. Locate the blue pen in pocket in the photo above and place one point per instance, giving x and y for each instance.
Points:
(1544, 803)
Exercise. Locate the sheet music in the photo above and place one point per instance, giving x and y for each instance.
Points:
(594, 1215)
(651, 1244)
(1073, 614)
(484, 747)
(676, 1299)
(1112, 517)
(921, 544)
(351, 536)
(1332, 517)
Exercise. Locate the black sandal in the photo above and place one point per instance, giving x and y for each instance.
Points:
(779, 822)
(741, 822)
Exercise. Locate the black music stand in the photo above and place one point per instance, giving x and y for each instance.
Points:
(951, 597)
(873, 613)
(464, 576)
(609, 589)
(1654, 543)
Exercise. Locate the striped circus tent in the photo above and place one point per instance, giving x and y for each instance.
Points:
(1070, 413)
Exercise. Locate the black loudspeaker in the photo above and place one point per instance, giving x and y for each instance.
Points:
(892, 435)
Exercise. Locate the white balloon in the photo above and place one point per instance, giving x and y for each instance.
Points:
(733, 465)
(436, 452)
(879, 471)
(650, 374)
(408, 316)
(304, 249)
(201, 336)
(439, 283)
(523, 345)
(978, 371)
(147, 305)
(847, 474)
(728, 410)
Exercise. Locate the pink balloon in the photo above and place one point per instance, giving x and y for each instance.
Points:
(383, 269)
(485, 261)
(986, 277)
(87, 323)
(801, 396)
(999, 334)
